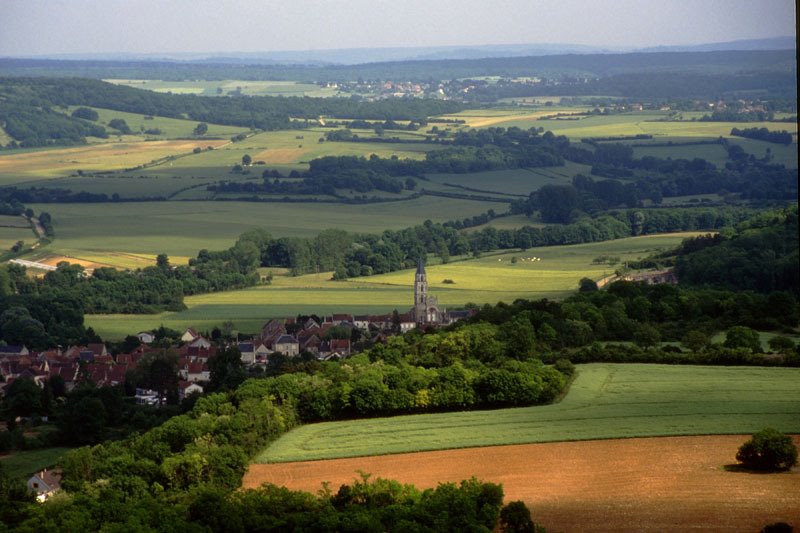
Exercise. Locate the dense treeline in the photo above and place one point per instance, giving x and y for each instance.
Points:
(43, 312)
(465, 369)
(472, 151)
(762, 255)
(763, 134)
(670, 85)
(28, 115)
(353, 255)
(30, 125)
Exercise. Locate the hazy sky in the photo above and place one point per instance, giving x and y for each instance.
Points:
(37, 27)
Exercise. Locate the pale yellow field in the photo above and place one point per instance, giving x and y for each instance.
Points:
(89, 259)
(489, 117)
(96, 157)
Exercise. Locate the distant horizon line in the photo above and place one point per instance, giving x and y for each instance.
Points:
(552, 48)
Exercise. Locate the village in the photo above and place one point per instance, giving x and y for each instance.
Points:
(322, 338)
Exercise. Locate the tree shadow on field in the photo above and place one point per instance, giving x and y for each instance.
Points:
(742, 469)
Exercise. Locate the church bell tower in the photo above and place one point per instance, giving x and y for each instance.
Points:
(420, 293)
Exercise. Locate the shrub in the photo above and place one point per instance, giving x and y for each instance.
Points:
(564, 366)
(769, 449)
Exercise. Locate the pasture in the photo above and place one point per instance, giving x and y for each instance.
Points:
(514, 182)
(226, 87)
(23, 464)
(13, 229)
(184, 228)
(489, 279)
(19, 168)
(606, 401)
(170, 127)
(630, 485)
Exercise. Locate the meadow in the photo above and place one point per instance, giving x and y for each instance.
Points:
(184, 228)
(23, 464)
(224, 87)
(490, 279)
(13, 229)
(170, 127)
(28, 168)
(605, 401)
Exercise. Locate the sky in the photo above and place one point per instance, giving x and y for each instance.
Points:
(52, 27)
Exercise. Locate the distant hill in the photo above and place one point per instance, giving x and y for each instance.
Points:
(575, 65)
(355, 56)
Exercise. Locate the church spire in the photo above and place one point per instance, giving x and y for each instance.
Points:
(420, 267)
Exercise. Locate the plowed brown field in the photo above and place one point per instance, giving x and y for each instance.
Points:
(653, 484)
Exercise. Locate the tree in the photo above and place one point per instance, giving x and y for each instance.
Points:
(86, 114)
(646, 336)
(119, 124)
(557, 203)
(695, 340)
(22, 398)
(781, 344)
(516, 518)
(587, 285)
(227, 369)
(246, 160)
(201, 129)
(743, 337)
(769, 449)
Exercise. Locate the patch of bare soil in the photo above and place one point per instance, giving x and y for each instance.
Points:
(653, 484)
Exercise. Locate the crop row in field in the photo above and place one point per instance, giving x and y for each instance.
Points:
(605, 401)
(489, 279)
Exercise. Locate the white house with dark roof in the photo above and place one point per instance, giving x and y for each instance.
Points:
(44, 484)
(287, 345)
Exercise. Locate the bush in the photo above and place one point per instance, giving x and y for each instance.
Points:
(769, 449)
(564, 366)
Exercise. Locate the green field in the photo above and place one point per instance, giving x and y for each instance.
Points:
(184, 228)
(489, 279)
(516, 182)
(23, 464)
(246, 87)
(605, 401)
(170, 127)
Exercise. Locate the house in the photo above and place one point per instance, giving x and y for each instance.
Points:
(97, 349)
(200, 342)
(272, 328)
(44, 484)
(187, 388)
(196, 371)
(145, 337)
(248, 351)
(189, 335)
(13, 350)
(146, 397)
(262, 352)
(339, 319)
(287, 345)
(361, 322)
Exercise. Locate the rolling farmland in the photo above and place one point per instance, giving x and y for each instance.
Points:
(630, 485)
(487, 280)
(605, 401)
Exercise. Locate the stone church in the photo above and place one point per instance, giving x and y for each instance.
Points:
(426, 308)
